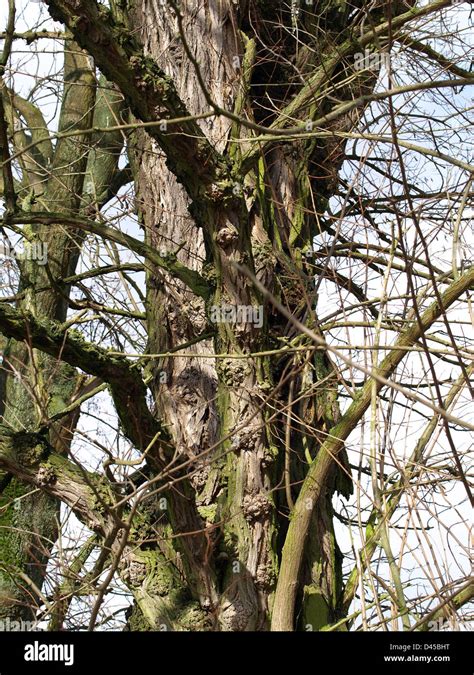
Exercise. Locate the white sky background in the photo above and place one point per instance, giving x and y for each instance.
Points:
(449, 536)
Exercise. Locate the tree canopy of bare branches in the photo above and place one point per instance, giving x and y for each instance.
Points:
(236, 317)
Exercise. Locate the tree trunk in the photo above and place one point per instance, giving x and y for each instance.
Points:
(218, 412)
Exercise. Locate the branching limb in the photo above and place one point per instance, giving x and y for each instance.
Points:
(54, 474)
(313, 486)
(8, 184)
(148, 91)
(191, 278)
(127, 386)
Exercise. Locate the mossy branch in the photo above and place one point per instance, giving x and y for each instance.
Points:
(124, 378)
(445, 608)
(189, 277)
(129, 394)
(37, 127)
(313, 488)
(149, 92)
(30, 458)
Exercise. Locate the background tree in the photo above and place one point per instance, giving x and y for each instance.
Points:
(244, 251)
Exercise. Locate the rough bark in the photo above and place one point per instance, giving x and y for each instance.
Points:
(215, 409)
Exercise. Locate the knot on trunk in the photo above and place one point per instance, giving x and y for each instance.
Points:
(45, 476)
(132, 571)
(256, 507)
(227, 236)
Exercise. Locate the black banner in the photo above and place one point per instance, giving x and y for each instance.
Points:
(32, 652)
